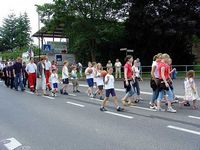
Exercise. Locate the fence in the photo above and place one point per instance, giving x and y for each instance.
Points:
(181, 70)
(145, 70)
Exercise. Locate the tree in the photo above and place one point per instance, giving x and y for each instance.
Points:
(88, 24)
(163, 26)
(23, 29)
(15, 32)
(9, 32)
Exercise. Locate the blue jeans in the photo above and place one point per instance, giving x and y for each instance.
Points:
(168, 92)
(131, 91)
(19, 81)
(155, 95)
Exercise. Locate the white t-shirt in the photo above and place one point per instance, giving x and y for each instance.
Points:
(31, 68)
(89, 76)
(118, 64)
(2, 66)
(111, 81)
(74, 74)
(99, 79)
(136, 71)
(156, 74)
(47, 65)
(65, 72)
(53, 78)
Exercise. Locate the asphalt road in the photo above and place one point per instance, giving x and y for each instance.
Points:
(75, 122)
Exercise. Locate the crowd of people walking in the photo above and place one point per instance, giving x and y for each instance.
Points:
(44, 76)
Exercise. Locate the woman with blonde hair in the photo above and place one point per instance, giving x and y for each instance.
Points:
(164, 83)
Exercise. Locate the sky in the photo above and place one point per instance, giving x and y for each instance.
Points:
(20, 6)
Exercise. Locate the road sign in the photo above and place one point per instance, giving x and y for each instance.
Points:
(130, 50)
(123, 49)
(46, 47)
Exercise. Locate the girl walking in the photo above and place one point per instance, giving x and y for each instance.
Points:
(191, 93)
(89, 72)
(65, 78)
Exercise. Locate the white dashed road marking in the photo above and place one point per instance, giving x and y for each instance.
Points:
(29, 92)
(96, 99)
(13, 144)
(117, 114)
(73, 95)
(75, 104)
(48, 97)
(184, 130)
(143, 108)
(194, 117)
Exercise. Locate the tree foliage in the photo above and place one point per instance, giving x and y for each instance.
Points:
(89, 24)
(15, 32)
(164, 26)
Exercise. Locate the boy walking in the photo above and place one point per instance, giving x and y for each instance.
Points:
(110, 90)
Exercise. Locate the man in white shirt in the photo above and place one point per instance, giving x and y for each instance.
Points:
(118, 66)
(31, 70)
(47, 72)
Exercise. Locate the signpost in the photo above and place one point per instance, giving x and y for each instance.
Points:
(127, 50)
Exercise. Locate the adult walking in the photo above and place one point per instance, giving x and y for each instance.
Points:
(154, 80)
(164, 83)
(18, 76)
(47, 71)
(10, 75)
(118, 67)
(128, 80)
(25, 74)
(31, 69)
(41, 80)
(109, 65)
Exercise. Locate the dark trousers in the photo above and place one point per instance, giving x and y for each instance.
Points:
(11, 82)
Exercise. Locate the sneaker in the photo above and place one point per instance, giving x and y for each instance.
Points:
(52, 94)
(74, 91)
(101, 98)
(187, 104)
(137, 100)
(61, 91)
(170, 109)
(103, 109)
(92, 96)
(120, 109)
(152, 107)
(77, 91)
(65, 93)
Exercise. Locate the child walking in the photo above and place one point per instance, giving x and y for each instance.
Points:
(89, 73)
(191, 93)
(54, 82)
(99, 81)
(65, 78)
(109, 87)
(74, 77)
